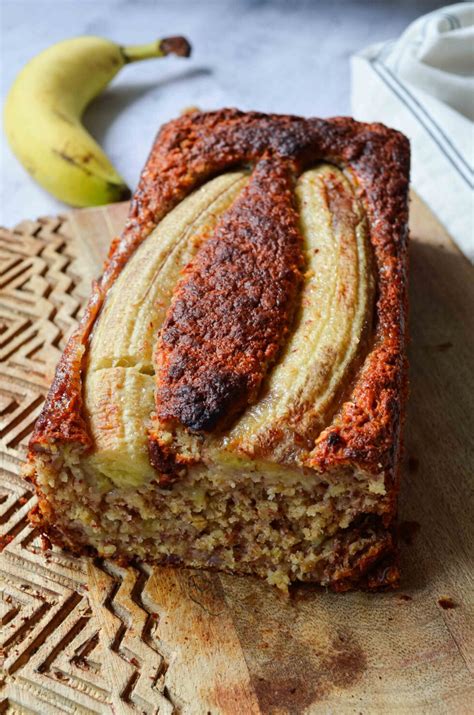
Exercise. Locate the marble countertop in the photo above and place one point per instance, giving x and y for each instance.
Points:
(269, 55)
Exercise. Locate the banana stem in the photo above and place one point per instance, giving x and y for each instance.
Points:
(159, 48)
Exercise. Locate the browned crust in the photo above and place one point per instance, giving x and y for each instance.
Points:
(197, 146)
(232, 311)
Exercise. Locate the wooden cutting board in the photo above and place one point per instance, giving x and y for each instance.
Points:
(79, 636)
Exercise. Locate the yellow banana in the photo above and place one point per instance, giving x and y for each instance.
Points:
(43, 111)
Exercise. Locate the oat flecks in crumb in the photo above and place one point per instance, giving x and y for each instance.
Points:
(239, 530)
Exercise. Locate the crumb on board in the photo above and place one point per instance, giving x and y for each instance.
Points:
(447, 603)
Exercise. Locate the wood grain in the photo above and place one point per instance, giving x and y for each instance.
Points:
(79, 636)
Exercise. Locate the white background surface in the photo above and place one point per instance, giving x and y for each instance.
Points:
(276, 55)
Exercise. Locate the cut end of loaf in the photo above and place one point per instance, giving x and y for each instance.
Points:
(280, 525)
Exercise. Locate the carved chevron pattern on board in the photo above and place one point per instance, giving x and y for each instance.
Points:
(75, 636)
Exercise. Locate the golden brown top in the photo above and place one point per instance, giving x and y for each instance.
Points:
(248, 273)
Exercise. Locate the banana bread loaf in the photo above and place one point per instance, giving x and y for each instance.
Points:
(233, 396)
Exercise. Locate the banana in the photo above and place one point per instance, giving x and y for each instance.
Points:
(119, 381)
(334, 315)
(43, 111)
(335, 307)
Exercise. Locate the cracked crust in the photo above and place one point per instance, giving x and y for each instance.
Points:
(365, 432)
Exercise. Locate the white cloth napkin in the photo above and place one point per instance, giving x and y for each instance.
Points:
(423, 85)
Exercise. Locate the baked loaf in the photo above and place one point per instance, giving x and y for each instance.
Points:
(233, 396)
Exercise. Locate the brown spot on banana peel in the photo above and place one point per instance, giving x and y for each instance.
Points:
(71, 160)
(63, 117)
(30, 168)
(124, 191)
